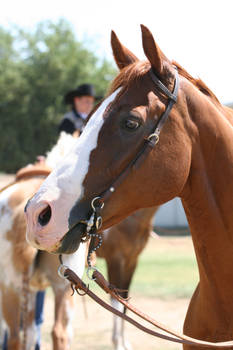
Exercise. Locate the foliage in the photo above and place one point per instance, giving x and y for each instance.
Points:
(36, 70)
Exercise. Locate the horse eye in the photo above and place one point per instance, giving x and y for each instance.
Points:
(131, 124)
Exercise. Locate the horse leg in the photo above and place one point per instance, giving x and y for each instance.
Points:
(11, 316)
(62, 332)
(3, 331)
(120, 273)
(47, 266)
(11, 312)
(30, 321)
(1, 324)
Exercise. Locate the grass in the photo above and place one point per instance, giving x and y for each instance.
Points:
(166, 269)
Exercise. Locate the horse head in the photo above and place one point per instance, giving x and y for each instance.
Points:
(114, 145)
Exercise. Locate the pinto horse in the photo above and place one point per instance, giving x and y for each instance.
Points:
(133, 157)
(18, 258)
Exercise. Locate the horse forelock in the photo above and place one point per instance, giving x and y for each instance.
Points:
(129, 75)
(136, 71)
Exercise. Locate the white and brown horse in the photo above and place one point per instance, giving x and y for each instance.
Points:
(18, 258)
(19, 261)
(137, 151)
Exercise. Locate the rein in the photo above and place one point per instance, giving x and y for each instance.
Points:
(82, 289)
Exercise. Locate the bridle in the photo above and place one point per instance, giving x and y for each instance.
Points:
(97, 204)
(151, 141)
(94, 223)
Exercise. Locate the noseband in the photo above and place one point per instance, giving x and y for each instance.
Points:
(95, 221)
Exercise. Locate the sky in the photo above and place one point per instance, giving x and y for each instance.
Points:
(197, 34)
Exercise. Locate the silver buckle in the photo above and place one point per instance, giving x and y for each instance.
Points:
(61, 271)
(154, 135)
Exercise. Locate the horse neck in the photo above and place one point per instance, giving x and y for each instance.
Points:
(207, 195)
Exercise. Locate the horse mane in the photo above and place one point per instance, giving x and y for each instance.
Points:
(60, 149)
(136, 70)
(197, 82)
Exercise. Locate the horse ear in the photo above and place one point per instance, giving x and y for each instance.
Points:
(152, 51)
(123, 57)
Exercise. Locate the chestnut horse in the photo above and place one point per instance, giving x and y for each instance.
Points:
(188, 152)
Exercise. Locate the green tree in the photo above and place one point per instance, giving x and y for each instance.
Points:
(36, 70)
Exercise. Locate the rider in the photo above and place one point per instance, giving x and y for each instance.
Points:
(82, 101)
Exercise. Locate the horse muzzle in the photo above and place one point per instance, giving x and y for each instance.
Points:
(81, 231)
(56, 231)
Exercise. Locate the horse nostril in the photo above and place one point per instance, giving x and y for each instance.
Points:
(45, 216)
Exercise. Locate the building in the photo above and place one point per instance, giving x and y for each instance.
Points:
(171, 215)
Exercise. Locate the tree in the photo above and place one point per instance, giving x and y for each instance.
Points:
(36, 70)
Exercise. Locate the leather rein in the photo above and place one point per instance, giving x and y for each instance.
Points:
(94, 223)
(82, 289)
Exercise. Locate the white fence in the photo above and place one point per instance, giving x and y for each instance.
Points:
(171, 214)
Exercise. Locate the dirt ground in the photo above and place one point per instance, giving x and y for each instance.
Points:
(94, 331)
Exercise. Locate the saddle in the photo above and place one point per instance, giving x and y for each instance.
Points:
(31, 170)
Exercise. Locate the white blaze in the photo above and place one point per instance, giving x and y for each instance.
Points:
(64, 186)
(68, 177)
